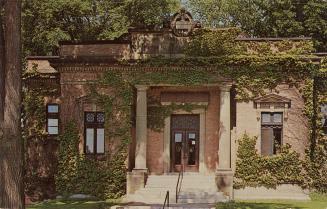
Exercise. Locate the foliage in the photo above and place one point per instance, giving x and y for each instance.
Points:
(71, 204)
(157, 113)
(254, 170)
(316, 196)
(68, 160)
(33, 112)
(56, 20)
(84, 174)
(214, 43)
(316, 154)
(272, 204)
(266, 18)
(40, 165)
(254, 66)
(149, 13)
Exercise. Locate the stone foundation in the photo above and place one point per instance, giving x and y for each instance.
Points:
(136, 180)
(224, 181)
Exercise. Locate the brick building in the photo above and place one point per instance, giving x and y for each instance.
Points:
(202, 141)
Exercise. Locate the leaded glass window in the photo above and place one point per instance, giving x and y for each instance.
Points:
(94, 133)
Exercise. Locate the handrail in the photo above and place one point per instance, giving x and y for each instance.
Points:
(166, 200)
(179, 182)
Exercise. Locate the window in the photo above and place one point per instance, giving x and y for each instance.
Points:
(53, 119)
(324, 118)
(94, 133)
(271, 132)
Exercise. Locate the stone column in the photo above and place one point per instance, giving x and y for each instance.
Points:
(224, 154)
(224, 174)
(141, 128)
(137, 178)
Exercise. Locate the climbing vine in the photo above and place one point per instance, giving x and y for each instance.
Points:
(40, 164)
(210, 58)
(81, 174)
(253, 169)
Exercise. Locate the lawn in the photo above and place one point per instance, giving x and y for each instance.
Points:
(274, 204)
(71, 205)
(318, 202)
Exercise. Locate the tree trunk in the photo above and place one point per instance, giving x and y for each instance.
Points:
(12, 143)
(2, 92)
(2, 69)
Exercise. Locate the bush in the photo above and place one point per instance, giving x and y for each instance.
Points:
(254, 170)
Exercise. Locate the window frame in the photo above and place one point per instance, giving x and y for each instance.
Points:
(272, 125)
(95, 126)
(50, 115)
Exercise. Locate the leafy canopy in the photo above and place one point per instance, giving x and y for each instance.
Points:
(267, 18)
(45, 22)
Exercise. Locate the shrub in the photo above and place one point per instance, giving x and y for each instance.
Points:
(254, 170)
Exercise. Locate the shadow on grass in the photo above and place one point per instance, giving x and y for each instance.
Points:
(245, 205)
(71, 205)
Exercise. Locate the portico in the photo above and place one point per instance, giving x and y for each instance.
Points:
(155, 153)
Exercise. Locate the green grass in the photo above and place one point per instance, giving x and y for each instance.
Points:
(318, 202)
(274, 204)
(71, 205)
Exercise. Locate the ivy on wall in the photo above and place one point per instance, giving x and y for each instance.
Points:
(40, 164)
(81, 174)
(211, 57)
(315, 94)
(253, 169)
(255, 67)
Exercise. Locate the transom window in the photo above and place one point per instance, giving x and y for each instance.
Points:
(53, 119)
(271, 132)
(94, 133)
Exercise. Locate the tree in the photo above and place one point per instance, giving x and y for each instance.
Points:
(267, 18)
(315, 12)
(55, 20)
(2, 90)
(11, 145)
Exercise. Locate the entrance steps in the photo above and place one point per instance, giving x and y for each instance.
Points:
(195, 188)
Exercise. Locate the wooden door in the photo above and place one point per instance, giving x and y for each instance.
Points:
(185, 142)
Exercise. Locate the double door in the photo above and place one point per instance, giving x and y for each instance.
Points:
(185, 143)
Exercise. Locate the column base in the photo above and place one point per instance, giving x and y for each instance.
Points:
(224, 181)
(136, 180)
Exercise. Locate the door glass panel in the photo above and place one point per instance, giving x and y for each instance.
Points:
(191, 148)
(178, 137)
(191, 135)
(178, 148)
(89, 140)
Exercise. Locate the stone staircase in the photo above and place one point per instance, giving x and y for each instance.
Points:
(195, 188)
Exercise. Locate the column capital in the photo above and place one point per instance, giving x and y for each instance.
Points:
(141, 87)
(225, 87)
